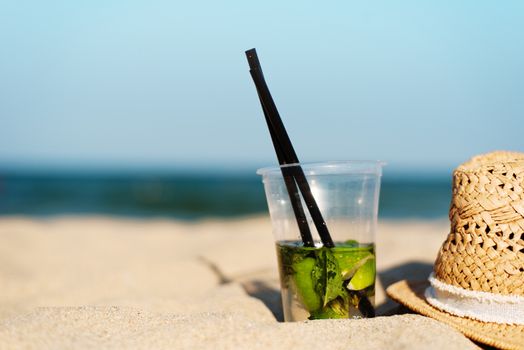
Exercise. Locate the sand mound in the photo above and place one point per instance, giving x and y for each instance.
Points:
(100, 283)
(119, 327)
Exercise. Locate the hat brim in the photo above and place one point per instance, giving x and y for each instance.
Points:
(411, 295)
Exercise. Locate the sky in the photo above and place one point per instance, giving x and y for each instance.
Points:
(165, 84)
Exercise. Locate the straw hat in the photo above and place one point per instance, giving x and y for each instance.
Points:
(477, 284)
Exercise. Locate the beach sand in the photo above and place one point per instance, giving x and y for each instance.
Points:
(107, 283)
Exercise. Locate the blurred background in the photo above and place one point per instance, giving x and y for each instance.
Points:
(147, 109)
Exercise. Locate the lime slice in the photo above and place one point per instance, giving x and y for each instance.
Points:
(335, 309)
(304, 284)
(350, 261)
(364, 276)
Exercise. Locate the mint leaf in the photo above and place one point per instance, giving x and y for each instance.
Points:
(334, 278)
(318, 273)
(349, 243)
(326, 276)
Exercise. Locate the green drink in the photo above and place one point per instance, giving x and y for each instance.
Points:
(320, 282)
(317, 281)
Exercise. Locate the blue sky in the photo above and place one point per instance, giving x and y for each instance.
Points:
(163, 84)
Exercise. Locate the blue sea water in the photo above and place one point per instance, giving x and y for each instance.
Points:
(190, 196)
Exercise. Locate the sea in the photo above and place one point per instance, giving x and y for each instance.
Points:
(191, 196)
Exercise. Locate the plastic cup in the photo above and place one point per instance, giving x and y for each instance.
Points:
(319, 282)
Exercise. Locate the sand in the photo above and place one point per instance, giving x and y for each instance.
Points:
(106, 283)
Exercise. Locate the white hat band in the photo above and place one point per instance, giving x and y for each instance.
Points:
(482, 306)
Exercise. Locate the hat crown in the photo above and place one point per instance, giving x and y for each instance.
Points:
(484, 250)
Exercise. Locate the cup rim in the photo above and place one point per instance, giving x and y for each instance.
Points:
(334, 167)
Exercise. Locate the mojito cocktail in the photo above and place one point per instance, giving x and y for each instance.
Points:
(320, 282)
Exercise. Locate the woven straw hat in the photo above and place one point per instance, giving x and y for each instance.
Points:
(477, 284)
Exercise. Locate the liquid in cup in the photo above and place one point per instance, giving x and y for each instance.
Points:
(319, 282)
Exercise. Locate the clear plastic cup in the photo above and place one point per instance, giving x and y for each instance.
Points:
(319, 282)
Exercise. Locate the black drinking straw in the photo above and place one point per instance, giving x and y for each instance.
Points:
(291, 187)
(285, 151)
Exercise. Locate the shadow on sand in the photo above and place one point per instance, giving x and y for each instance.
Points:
(268, 294)
(413, 270)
